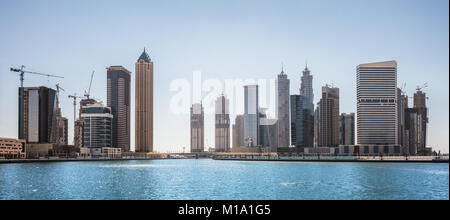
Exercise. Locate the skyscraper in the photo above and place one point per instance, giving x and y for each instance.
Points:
(238, 131)
(416, 120)
(402, 106)
(222, 125)
(347, 129)
(377, 103)
(282, 110)
(251, 115)
(39, 115)
(306, 88)
(197, 128)
(328, 119)
(144, 104)
(118, 93)
(97, 120)
(302, 121)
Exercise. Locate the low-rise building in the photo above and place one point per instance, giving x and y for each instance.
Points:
(12, 148)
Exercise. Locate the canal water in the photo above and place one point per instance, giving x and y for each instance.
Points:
(216, 180)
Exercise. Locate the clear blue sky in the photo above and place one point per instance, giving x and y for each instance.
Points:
(225, 40)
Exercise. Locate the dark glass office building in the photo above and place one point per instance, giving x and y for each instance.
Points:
(37, 120)
(119, 101)
(302, 121)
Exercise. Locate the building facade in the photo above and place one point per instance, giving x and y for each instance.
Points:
(144, 104)
(328, 119)
(302, 121)
(197, 128)
(268, 131)
(12, 148)
(377, 103)
(347, 129)
(222, 125)
(282, 109)
(118, 99)
(97, 126)
(39, 121)
(238, 132)
(402, 106)
(251, 115)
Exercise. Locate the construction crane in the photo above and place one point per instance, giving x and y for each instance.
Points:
(57, 93)
(22, 72)
(74, 97)
(420, 88)
(87, 94)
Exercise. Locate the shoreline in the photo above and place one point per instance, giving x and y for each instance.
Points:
(336, 161)
(79, 160)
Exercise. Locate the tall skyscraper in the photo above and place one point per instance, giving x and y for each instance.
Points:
(97, 120)
(282, 109)
(251, 115)
(347, 129)
(306, 88)
(144, 104)
(39, 115)
(402, 106)
(118, 93)
(222, 125)
(377, 103)
(328, 127)
(302, 121)
(238, 131)
(197, 128)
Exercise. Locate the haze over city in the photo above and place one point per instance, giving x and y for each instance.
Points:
(223, 40)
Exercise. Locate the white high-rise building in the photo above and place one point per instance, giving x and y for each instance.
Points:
(377, 103)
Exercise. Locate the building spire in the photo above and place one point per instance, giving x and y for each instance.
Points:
(282, 68)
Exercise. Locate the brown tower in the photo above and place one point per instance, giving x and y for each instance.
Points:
(144, 104)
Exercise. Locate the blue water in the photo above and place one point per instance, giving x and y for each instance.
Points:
(235, 180)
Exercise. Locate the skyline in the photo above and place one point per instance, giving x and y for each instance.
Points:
(422, 47)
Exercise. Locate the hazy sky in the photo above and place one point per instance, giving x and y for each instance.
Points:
(224, 40)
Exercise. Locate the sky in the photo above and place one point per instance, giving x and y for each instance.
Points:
(223, 39)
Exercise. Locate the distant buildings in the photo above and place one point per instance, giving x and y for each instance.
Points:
(347, 129)
(238, 132)
(197, 128)
(144, 104)
(302, 121)
(222, 125)
(251, 115)
(377, 103)
(328, 118)
(402, 106)
(282, 110)
(118, 95)
(97, 126)
(38, 122)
